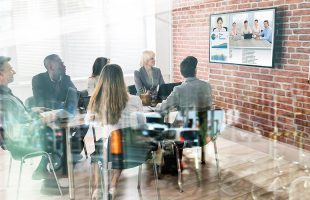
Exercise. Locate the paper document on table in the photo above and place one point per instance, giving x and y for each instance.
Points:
(53, 115)
(172, 116)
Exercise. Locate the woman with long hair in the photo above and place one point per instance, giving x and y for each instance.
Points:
(99, 63)
(114, 108)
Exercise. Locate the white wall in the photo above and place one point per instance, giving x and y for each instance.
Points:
(164, 38)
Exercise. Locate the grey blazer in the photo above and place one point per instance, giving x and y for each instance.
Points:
(191, 94)
(141, 82)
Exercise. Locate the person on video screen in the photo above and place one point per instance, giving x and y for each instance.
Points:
(246, 29)
(266, 34)
(220, 27)
(256, 28)
(234, 30)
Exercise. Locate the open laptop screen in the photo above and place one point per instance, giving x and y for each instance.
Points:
(72, 100)
(165, 90)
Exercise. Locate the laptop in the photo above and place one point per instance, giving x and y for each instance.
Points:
(248, 36)
(165, 90)
(69, 110)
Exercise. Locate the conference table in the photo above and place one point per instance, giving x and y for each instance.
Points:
(249, 44)
(79, 120)
(66, 125)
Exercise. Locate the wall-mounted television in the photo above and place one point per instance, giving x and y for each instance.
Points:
(243, 38)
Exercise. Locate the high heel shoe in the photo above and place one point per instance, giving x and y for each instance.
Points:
(112, 193)
(96, 194)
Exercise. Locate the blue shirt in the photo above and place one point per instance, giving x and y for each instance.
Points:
(267, 34)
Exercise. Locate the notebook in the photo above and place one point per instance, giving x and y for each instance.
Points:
(69, 110)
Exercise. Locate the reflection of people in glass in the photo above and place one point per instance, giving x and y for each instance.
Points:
(246, 29)
(234, 30)
(256, 28)
(219, 27)
(267, 32)
(24, 133)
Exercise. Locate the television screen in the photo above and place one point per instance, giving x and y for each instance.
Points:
(245, 38)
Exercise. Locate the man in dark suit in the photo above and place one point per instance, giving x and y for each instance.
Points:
(50, 88)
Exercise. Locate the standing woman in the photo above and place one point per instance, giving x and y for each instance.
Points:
(113, 108)
(99, 63)
(148, 77)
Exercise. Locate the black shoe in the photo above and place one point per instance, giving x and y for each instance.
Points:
(41, 173)
(76, 157)
(50, 187)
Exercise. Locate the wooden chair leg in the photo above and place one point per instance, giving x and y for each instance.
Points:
(217, 160)
(156, 175)
(180, 183)
(139, 177)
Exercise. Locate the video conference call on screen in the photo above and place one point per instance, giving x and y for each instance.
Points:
(245, 38)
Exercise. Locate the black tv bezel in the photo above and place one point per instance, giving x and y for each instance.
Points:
(242, 11)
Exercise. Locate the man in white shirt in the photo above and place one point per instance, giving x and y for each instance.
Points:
(267, 32)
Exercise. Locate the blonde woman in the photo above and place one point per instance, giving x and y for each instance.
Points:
(114, 108)
(148, 77)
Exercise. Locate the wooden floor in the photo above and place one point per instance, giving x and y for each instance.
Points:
(251, 168)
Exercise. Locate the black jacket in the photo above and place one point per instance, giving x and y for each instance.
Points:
(48, 93)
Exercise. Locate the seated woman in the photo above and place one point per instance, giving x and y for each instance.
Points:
(246, 29)
(256, 28)
(234, 30)
(148, 77)
(99, 63)
(113, 108)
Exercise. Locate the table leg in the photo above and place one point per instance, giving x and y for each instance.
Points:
(70, 164)
(64, 151)
(106, 173)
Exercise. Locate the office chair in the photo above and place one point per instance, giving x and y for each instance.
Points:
(128, 148)
(295, 192)
(210, 123)
(132, 89)
(21, 154)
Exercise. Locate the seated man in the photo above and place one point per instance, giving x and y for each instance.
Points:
(192, 94)
(21, 133)
(50, 90)
(266, 34)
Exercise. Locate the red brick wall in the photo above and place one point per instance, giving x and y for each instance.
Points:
(257, 98)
